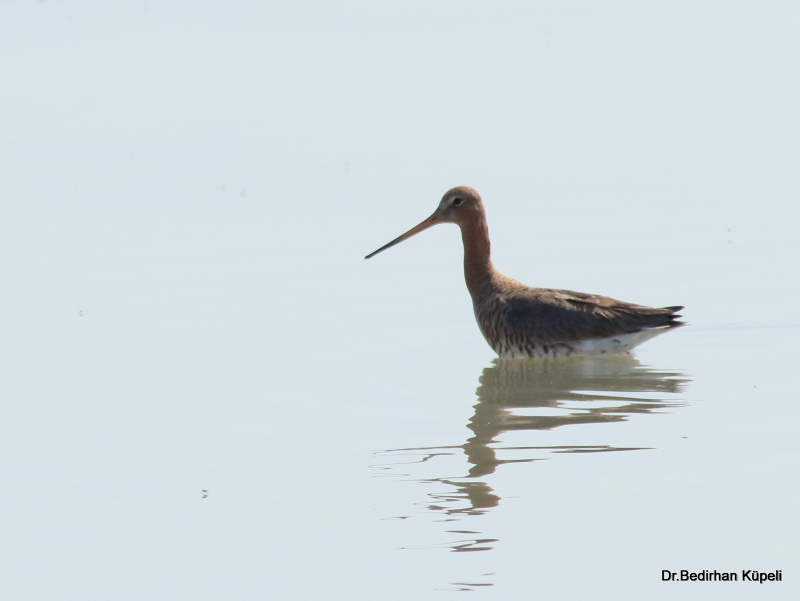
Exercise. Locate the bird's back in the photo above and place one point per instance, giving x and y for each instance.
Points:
(518, 320)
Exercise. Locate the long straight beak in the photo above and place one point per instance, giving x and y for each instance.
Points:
(429, 222)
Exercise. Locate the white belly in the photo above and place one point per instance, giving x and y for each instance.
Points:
(597, 346)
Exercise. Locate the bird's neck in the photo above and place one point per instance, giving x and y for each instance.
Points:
(478, 268)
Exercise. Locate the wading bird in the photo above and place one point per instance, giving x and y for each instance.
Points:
(517, 320)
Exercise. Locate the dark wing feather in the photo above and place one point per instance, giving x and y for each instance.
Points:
(558, 316)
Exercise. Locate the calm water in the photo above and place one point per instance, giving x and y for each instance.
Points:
(207, 393)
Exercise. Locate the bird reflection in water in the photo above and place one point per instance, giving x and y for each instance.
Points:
(524, 394)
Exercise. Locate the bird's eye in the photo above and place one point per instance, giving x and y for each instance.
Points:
(458, 201)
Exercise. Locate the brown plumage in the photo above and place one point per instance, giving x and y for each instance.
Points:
(517, 320)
